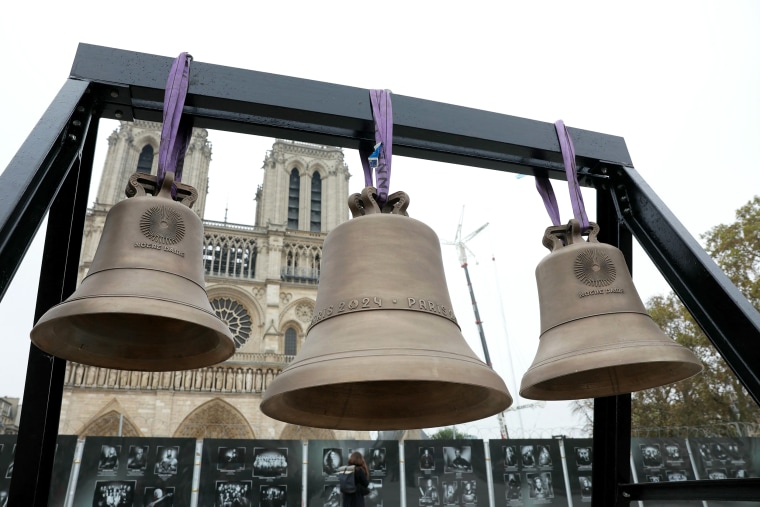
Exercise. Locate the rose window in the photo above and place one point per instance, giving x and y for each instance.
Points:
(236, 317)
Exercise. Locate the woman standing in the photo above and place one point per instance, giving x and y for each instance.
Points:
(361, 476)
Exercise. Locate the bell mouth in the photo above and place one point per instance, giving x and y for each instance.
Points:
(133, 333)
(385, 370)
(605, 355)
(386, 404)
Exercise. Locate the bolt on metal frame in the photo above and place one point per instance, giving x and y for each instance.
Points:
(51, 173)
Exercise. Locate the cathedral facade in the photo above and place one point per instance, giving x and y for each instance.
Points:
(261, 280)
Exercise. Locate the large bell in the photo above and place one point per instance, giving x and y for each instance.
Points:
(384, 350)
(596, 336)
(143, 303)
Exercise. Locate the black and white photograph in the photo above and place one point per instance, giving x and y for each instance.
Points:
(677, 475)
(376, 461)
(662, 459)
(429, 494)
(233, 494)
(375, 496)
(161, 496)
(138, 472)
(585, 484)
(114, 494)
(450, 490)
(166, 460)
(583, 457)
(457, 459)
(231, 459)
(719, 452)
(383, 464)
(109, 458)
(514, 488)
(427, 458)
(541, 485)
(269, 463)
(332, 459)
(332, 496)
(272, 495)
(704, 452)
(544, 457)
(651, 455)
(673, 454)
(469, 494)
(716, 474)
(528, 455)
(510, 456)
(137, 460)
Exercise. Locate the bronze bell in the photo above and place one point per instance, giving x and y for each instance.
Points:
(384, 350)
(596, 336)
(143, 303)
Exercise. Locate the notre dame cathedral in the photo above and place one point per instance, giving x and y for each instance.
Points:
(261, 280)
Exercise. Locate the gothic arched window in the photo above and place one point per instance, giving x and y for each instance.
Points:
(290, 342)
(316, 203)
(294, 190)
(145, 162)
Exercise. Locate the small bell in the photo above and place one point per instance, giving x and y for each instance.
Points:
(596, 336)
(143, 304)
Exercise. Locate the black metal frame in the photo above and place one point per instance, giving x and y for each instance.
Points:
(52, 169)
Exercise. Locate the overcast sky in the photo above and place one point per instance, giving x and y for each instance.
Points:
(679, 81)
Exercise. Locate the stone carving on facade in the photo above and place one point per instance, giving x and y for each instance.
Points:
(215, 419)
(305, 312)
(109, 424)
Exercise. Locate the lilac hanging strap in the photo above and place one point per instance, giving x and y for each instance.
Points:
(176, 131)
(544, 186)
(380, 158)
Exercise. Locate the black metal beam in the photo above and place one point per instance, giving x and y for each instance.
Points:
(728, 319)
(251, 102)
(34, 175)
(743, 490)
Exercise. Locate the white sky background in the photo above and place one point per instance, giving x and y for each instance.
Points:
(679, 81)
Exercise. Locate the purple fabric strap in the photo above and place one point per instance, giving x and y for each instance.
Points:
(176, 131)
(544, 186)
(382, 114)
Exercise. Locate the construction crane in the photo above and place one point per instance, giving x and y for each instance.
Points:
(462, 249)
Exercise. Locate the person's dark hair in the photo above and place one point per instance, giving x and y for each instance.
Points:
(357, 459)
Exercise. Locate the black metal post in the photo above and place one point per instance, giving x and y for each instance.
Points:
(38, 429)
(612, 415)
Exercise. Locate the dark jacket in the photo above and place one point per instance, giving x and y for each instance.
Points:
(362, 483)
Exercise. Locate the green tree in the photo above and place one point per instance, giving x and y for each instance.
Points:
(714, 400)
(715, 397)
(450, 434)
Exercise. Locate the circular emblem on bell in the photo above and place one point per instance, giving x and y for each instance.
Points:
(162, 225)
(593, 267)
